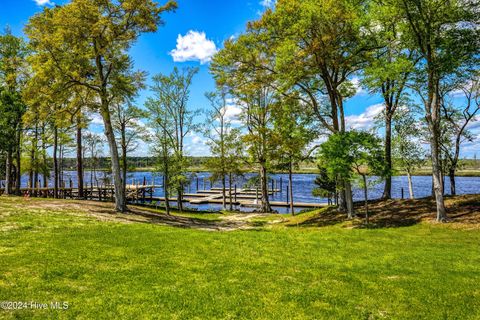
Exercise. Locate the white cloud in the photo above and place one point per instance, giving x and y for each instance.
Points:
(357, 85)
(44, 2)
(233, 112)
(96, 119)
(267, 3)
(365, 120)
(194, 46)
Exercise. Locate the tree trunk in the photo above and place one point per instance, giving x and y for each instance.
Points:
(124, 169)
(18, 171)
(290, 188)
(8, 173)
(410, 185)
(387, 192)
(451, 174)
(230, 191)
(80, 182)
(224, 192)
(265, 206)
(55, 162)
(44, 158)
(365, 194)
(120, 203)
(180, 198)
(167, 193)
(349, 199)
(437, 176)
(342, 199)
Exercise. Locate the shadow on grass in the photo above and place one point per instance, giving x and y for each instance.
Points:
(463, 209)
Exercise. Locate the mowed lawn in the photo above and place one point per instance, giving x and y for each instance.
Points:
(115, 269)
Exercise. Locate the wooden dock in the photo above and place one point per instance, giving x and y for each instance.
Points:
(142, 193)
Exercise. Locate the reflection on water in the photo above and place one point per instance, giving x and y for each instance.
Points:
(302, 186)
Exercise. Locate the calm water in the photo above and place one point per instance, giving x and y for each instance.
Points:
(302, 186)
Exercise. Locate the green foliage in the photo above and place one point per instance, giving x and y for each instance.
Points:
(407, 150)
(351, 153)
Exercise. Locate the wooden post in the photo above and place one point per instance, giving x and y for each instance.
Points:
(197, 186)
(402, 193)
(235, 194)
(281, 189)
(143, 190)
(272, 185)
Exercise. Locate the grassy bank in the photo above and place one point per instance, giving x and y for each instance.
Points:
(150, 266)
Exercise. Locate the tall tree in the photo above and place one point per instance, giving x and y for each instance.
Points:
(171, 116)
(407, 150)
(350, 154)
(216, 130)
(318, 47)
(85, 44)
(446, 36)
(129, 131)
(13, 74)
(456, 118)
(389, 70)
(294, 133)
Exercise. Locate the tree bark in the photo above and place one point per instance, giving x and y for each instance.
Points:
(290, 188)
(80, 181)
(387, 192)
(349, 199)
(342, 199)
(365, 193)
(8, 173)
(437, 176)
(18, 149)
(120, 203)
(451, 174)
(224, 192)
(230, 191)
(55, 162)
(410, 185)
(265, 206)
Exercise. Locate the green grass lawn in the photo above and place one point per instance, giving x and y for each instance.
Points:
(115, 270)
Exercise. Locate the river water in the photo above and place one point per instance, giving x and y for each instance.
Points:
(302, 186)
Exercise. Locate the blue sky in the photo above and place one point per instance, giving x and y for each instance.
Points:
(189, 37)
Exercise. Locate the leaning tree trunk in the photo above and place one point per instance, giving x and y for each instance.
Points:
(410, 185)
(120, 202)
(80, 182)
(387, 192)
(265, 203)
